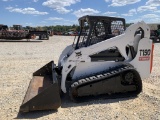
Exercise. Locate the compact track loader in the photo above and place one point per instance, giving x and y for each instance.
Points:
(106, 59)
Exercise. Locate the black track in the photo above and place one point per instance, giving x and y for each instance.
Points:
(125, 74)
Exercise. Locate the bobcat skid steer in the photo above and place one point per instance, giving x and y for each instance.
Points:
(105, 59)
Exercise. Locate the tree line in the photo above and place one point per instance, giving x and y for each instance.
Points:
(60, 28)
(57, 28)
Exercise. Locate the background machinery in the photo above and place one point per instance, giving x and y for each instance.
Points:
(105, 60)
(155, 32)
(16, 33)
(40, 32)
(43, 35)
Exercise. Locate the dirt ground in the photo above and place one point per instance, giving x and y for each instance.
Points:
(18, 60)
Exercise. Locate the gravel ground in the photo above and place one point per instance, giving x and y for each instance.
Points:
(18, 60)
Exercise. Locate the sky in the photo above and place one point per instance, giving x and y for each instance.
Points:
(66, 12)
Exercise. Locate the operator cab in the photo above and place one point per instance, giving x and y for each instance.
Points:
(95, 29)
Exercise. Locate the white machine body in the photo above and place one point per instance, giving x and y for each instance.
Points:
(142, 61)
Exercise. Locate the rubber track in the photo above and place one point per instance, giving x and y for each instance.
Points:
(111, 72)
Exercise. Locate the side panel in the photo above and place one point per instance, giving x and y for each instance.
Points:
(88, 68)
(142, 61)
